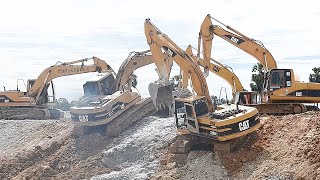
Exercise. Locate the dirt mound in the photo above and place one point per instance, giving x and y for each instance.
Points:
(132, 155)
(70, 159)
(46, 150)
(285, 147)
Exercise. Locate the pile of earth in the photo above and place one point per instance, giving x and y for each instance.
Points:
(285, 147)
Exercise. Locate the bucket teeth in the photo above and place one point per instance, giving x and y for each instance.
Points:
(161, 95)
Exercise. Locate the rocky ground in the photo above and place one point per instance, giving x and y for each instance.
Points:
(285, 147)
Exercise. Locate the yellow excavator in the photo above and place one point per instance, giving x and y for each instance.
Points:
(33, 104)
(195, 115)
(110, 105)
(284, 94)
(239, 94)
(218, 69)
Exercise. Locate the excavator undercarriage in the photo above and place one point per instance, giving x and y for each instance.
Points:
(113, 124)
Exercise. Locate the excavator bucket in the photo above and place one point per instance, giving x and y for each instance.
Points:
(161, 96)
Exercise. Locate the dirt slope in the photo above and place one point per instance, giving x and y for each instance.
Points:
(47, 150)
(285, 147)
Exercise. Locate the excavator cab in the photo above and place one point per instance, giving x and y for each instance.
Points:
(45, 97)
(187, 111)
(280, 78)
(247, 97)
(105, 85)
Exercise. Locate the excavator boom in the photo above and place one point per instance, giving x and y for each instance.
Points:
(251, 46)
(159, 41)
(67, 69)
(218, 69)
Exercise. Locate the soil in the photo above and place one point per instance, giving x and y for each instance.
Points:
(285, 147)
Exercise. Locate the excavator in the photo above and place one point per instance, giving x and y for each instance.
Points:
(221, 70)
(225, 72)
(195, 116)
(283, 94)
(110, 105)
(33, 103)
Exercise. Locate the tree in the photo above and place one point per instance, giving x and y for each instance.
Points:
(315, 77)
(257, 78)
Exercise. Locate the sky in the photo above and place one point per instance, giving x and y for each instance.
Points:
(35, 34)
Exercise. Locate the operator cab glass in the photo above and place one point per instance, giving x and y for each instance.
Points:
(180, 114)
(245, 97)
(186, 113)
(200, 106)
(107, 84)
(91, 88)
(280, 78)
(102, 86)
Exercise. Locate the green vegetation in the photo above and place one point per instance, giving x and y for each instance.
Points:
(315, 77)
(257, 78)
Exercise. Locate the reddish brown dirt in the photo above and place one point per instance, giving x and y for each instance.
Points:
(285, 147)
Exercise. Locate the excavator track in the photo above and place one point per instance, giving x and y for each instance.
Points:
(184, 143)
(142, 108)
(29, 113)
(24, 113)
(280, 108)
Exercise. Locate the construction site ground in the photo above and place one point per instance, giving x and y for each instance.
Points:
(285, 147)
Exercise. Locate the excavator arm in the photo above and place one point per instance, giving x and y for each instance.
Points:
(218, 69)
(66, 69)
(135, 61)
(251, 46)
(159, 41)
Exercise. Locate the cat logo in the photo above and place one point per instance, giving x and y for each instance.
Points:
(83, 118)
(244, 125)
(216, 68)
(234, 39)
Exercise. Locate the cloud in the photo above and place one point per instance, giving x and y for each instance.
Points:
(35, 34)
